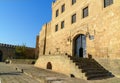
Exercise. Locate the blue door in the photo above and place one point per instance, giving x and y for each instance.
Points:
(80, 46)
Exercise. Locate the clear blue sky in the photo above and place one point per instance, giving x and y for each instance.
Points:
(21, 20)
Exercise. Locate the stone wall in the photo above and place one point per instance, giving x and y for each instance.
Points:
(8, 51)
(102, 23)
(112, 65)
(61, 64)
(23, 61)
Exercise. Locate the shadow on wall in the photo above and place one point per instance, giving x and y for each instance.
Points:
(1, 55)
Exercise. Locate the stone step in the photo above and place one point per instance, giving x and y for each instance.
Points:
(94, 76)
(88, 65)
(95, 72)
(81, 65)
(91, 68)
(86, 62)
(81, 60)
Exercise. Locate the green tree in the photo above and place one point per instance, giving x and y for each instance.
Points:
(20, 51)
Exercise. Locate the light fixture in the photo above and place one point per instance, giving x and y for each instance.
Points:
(91, 37)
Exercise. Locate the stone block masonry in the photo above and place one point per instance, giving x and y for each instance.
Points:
(91, 27)
(102, 23)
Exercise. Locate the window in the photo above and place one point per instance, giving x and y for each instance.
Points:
(107, 3)
(73, 2)
(73, 20)
(56, 28)
(85, 12)
(57, 13)
(62, 24)
(63, 8)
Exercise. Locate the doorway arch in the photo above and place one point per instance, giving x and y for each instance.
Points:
(1, 55)
(79, 45)
(49, 66)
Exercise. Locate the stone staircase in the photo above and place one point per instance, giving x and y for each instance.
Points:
(91, 68)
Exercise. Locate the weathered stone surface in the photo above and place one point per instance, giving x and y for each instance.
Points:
(7, 51)
(102, 23)
(61, 64)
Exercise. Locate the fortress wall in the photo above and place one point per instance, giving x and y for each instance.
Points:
(102, 23)
(8, 51)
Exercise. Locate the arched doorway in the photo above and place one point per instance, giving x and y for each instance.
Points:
(79, 45)
(49, 65)
(1, 55)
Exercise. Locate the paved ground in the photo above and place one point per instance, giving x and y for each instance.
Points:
(9, 74)
(41, 75)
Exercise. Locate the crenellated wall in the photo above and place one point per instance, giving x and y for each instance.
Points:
(8, 51)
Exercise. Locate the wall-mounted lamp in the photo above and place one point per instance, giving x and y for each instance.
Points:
(91, 37)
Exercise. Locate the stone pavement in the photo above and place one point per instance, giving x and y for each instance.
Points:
(52, 77)
(46, 76)
(9, 74)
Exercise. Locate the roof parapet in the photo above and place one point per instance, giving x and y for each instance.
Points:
(55, 1)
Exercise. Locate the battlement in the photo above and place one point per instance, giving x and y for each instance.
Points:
(7, 45)
(55, 2)
(11, 46)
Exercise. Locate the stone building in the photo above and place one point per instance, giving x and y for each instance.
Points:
(80, 28)
(37, 47)
(8, 51)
